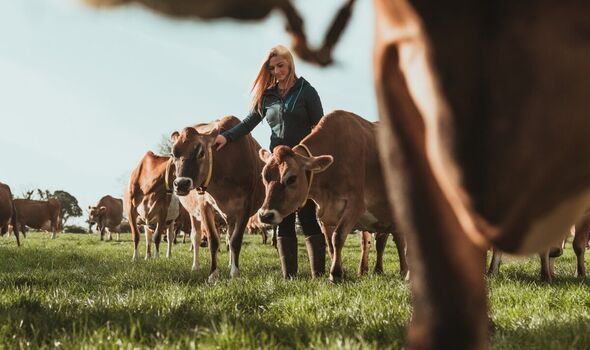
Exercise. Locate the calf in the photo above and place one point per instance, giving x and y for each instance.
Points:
(7, 212)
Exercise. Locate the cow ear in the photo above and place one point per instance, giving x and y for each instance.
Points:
(89, 207)
(103, 209)
(264, 155)
(318, 164)
(174, 136)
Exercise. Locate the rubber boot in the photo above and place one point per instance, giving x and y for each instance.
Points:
(316, 250)
(287, 247)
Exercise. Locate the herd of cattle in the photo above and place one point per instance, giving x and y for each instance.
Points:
(242, 186)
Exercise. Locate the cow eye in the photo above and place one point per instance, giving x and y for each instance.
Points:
(291, 180)
(200, 152)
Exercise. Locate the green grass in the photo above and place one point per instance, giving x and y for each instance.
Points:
(78, 292)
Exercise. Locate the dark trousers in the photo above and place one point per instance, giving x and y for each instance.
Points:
(307, 219)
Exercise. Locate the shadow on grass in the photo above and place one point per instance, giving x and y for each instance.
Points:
(573, 334)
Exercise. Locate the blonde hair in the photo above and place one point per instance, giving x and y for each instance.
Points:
(264, 79)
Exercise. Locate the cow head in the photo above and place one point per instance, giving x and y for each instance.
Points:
(192, 153)
(95, 214)
(286, 181)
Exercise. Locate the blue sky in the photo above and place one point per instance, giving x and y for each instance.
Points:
(84, 93)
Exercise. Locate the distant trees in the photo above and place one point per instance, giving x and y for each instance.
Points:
(69, 206)
(164, 148)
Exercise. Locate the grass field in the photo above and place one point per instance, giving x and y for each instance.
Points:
(78, 292)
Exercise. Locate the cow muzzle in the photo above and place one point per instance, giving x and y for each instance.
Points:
(271, 217)
(183, 185)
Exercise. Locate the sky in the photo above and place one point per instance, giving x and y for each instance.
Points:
(85, 93)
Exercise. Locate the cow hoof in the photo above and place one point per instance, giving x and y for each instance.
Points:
(234, 273)
(168, 256)
(336, 276)
(213, 277)
(195, 267)
(148, 257)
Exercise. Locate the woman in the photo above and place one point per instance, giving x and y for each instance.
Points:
(291, 107)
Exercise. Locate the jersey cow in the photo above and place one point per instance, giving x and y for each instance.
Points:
(231, 176)
(40, 215)
(7, 212)
(107, 214)
(149, 201)
(337, 166)
(484, 142)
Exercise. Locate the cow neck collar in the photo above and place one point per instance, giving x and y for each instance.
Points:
(304, 147)
(201, 189)
(167, 176)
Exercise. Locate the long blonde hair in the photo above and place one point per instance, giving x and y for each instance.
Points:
(264, 79)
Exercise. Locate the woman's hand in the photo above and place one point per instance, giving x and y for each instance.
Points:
(220, 141)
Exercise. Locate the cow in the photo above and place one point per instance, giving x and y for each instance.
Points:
(8, 214)
(107, 214)
(337, 166)
(40, 215)
(484, 141)
(149, 200)
(231, 177)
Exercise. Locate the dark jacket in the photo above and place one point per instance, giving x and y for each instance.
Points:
(290, 118)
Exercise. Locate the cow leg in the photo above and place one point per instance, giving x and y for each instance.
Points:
(132, 215)
(380, 243)
(365, 247)
(349, 218)
(327, 231)
(236, 244)
(101, 230)
(546, 267)
(213, 239)
(495, 262)
(400, 242)
(54, 225)
(13, 221)
(275, 229)
(110, 233)
(149, 234)
(264, 236)
(579, 244)
(448, 288)
(171, 237)
(196, 233)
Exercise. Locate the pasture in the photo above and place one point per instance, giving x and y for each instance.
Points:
(78, 292)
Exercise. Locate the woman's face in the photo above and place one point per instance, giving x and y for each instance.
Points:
(279, 68)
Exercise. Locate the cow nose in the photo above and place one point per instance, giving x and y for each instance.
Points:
(266, 216)
(182, 185)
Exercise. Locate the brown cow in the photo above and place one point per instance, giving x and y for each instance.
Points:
(337, 166)
(494, 151)
(40, 215)
(7, 212)
(150, 201)
(235, 192)
(107, 214)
